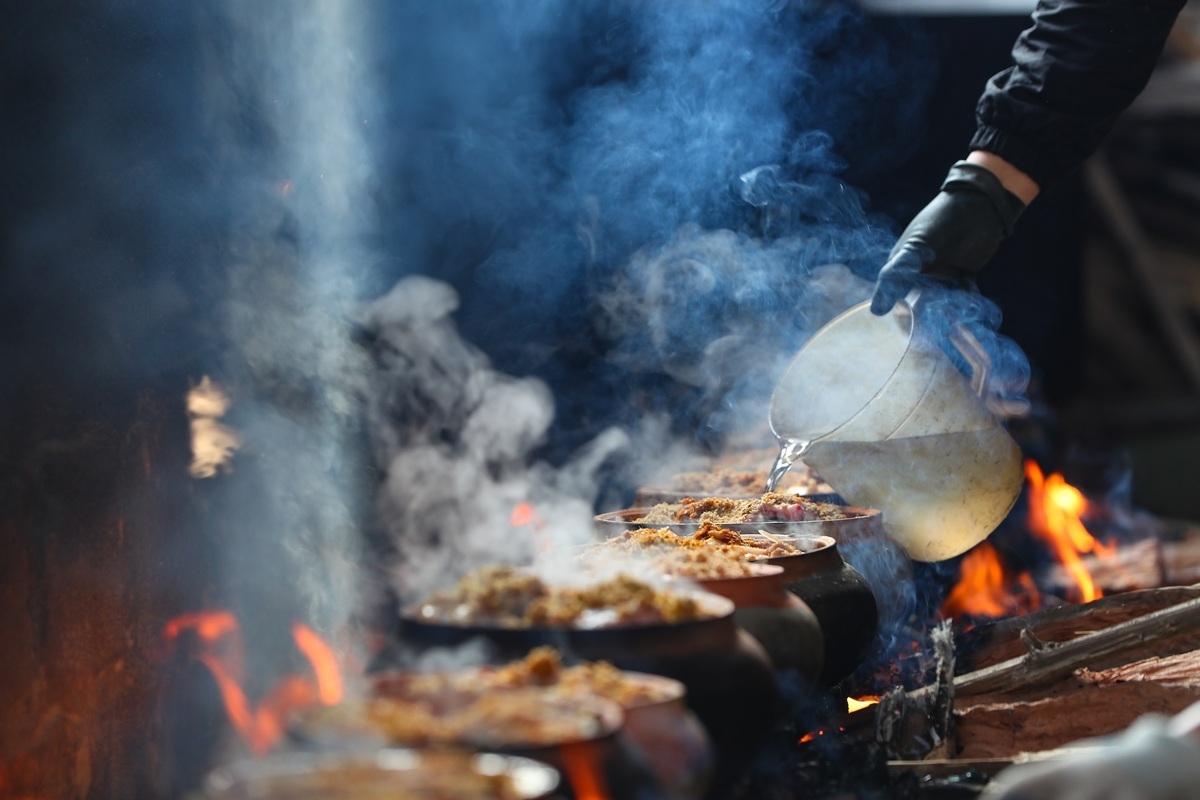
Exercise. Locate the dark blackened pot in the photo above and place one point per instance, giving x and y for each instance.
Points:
(778, 619)
(379, 773)
(841, 599)
(730, 679)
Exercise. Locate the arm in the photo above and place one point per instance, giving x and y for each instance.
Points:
(1011, 178)
(1080, 65)
(1074, 71)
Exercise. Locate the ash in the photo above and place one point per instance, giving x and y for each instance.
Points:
(840, 767)
(809, 754)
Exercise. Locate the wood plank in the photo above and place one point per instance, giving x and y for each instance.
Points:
(992, 643)
(1182, 669)
(1162, 632)
(996, 727)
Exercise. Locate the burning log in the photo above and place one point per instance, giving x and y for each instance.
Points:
(1023, 703)
(999, 727)
(1130, 567)
(1045, 662)
(1181, 557)
(1093, 703)
(994, 642)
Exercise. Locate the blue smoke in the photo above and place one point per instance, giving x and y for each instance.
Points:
(535, 147)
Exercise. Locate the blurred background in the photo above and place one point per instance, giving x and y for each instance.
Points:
(209, 189)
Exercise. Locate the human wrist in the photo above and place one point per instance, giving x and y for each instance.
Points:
(1011, 178)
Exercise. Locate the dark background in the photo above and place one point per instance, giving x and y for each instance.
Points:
(123, 205)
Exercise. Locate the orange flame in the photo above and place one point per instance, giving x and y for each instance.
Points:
(523, 514)
(581, 764)
(526, 514)
(859, 703)
(814, 735)
(221, 652)
(324, 663)
(213, 443)
(1055, 510)
(986, 589)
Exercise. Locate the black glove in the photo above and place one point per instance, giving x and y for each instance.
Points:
(951, 239)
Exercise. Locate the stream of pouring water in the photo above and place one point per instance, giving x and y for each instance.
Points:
(789, 453)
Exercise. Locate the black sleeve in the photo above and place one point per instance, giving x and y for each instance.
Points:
(1080, 65)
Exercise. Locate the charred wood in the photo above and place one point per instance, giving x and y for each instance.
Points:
(1161, 632)
(991, 643)
(997, 726)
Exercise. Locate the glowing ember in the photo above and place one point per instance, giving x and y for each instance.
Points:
(581, 763)
(814, 735)
(222, 653)
(986, 589)
(859, 703)
(1055, 511)
(212, 443)
(524, 514)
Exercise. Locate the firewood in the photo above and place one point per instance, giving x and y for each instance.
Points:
(994, 642)
(1182, 669)
(1181, 557)
(1045, 662)
(1127, 568)
(1048, 672)
(993, 726)
(1087, 705)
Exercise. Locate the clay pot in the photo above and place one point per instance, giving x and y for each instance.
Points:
(859, 523)
(670, 739)
(379, 774)
(839, 592)
(729, 678)
(778, 619)
(840, 598)
(653, 495)
(601, 750)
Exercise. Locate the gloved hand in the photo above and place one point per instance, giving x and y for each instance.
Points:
(1146, 762)
(951, 239)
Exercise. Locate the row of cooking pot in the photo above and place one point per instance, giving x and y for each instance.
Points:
(808, 611)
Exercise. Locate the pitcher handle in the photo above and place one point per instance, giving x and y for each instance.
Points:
(973, 352)
(969, 347)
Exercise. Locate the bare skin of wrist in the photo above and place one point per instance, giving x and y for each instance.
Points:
(1010, 177)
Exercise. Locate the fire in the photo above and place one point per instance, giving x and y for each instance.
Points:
(812, 736)
(584, 773)
(1055, 511)
(852, 704)
(525, 514)
(222, 653)
(859, 703)
(324, 663)
(212, 443)
(986, 589)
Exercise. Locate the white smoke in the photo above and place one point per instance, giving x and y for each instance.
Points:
(454, 440)
(289, 99)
